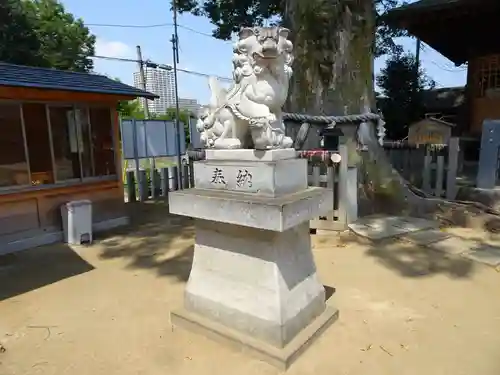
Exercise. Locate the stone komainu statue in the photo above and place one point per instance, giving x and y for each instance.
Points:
(249, 114)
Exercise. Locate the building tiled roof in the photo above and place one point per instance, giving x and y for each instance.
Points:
(440, 99)
(444, 98)
(54, 79)
(454, 28)
(438, 121)
(427, 5)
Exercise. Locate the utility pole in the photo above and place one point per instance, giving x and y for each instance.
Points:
(175, 56)
(417, 56)
(417, 62)
(140, 65)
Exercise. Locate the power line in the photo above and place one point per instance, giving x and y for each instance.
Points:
(151, 64)
(445, 68)
(458, 70)
(129, 26)
(169, 67)
(168, 24)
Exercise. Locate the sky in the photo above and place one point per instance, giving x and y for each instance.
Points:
(198, 51)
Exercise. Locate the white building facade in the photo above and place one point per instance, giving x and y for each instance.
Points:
(160, 82)
(190, 105)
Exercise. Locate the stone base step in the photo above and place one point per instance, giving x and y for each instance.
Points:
(281, 358)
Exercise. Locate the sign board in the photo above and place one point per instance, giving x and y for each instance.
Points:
(487, 174)
(150, 138)
(194, 134)
(428, 138)
(429, 131)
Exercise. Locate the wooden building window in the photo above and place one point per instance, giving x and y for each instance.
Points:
(102, 141)
(65, 143)
(487, 75)
(38, 142)
(14, 168)
(46, 144)
(82, 121)
(70, 129)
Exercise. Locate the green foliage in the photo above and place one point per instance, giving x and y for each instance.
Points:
(228, 15)
(19, 44)
(335, 42)
(385, 35)
(170, 115)
(130, 109)
(402, 87)
(42, 33)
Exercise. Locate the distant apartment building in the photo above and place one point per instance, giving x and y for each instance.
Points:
(160, 82)
(190, 105)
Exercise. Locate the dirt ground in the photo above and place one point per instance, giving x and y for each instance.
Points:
(104, 309)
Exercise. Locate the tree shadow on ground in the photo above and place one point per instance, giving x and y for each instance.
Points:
(31, 269)
(155, 240)
(177, 266)
(415, 261)
(411, 260)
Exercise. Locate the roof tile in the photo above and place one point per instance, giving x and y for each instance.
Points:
(54, 79)
(427, 4)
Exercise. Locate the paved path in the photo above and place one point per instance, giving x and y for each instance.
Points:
(426, 233)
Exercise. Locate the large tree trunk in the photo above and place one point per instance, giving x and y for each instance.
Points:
(333, 75)
(333, 67)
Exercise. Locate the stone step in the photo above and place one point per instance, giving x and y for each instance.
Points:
(426, 237)
(381, 228)
(473, 250)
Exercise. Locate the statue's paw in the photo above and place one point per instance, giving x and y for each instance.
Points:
(262, 145)
(261, 140)
(227, 143)
(287, 142)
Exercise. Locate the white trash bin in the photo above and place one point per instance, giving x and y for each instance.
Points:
(77, 222)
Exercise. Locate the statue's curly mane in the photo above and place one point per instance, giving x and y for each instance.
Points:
(261, 61)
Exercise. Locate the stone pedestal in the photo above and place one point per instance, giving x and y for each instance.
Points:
(253, 282)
